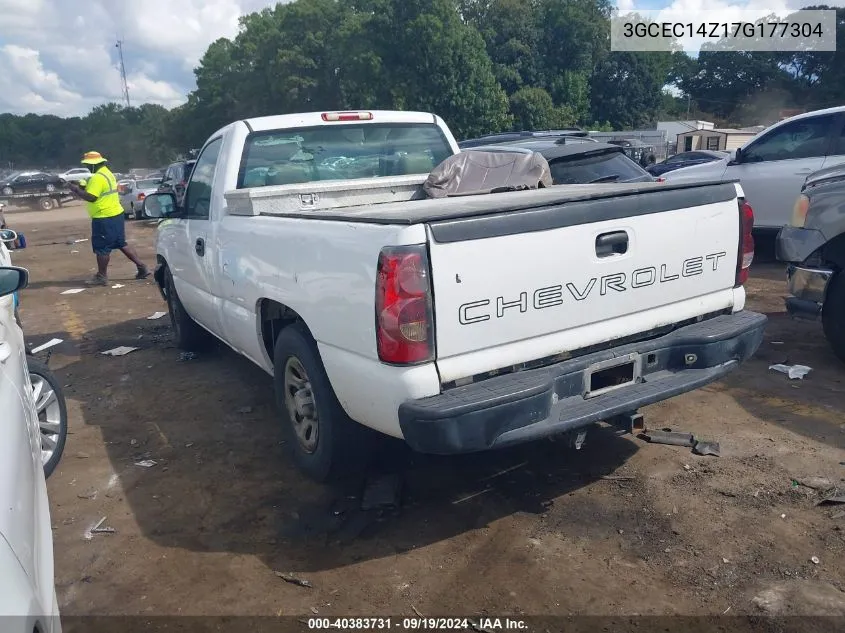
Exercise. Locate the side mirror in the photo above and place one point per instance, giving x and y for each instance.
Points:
(736, 156)
(8, 235)
(158, 205)
(12, 279)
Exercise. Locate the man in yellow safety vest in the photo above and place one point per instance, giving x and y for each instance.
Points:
(107, 220)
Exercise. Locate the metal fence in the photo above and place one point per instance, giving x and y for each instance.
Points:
(663, 148)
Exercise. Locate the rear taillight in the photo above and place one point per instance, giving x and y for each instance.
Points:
(746, 243)
(141, 196)
(660, 179)
(404, 315)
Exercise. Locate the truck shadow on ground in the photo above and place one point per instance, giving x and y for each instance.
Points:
(224, 481)
(813, 406)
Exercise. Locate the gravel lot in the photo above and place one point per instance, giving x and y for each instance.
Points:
(620, 527)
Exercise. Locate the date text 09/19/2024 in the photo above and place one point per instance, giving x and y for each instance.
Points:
(419, 623)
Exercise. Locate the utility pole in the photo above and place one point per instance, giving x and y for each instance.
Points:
(125, 86)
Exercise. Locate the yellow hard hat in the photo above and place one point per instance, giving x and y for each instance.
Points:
(92, 158)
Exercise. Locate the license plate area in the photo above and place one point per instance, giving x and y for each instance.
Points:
(612, 374)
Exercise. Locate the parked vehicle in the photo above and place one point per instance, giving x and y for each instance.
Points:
(773, 165)
(572, 135)
(132, 194)
(813, 247)
(32, 182)
(27, 590)
(39, 200)
(75, 175)
(580, 163)
(176, 177)
(303, 243)
(686, 159)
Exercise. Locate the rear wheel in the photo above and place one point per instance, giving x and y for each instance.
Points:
(52, 413)
(188, 334)
(45, 203)
(833, 315)
(50, 187)
(326, 444)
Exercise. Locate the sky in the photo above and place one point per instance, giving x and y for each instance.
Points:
(59, 56)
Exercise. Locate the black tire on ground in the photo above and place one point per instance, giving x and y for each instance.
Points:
(833, 315)
(344, 447)
(40, 369)
(188, 334)
(45, 203)
(136, 212)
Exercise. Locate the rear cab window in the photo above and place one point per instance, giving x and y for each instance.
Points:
(584, 169)
(341, 152)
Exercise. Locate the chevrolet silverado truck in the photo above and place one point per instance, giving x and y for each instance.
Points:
(459, 323)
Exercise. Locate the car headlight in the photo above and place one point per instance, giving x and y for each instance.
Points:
(799, 211)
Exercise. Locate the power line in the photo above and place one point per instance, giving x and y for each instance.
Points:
(125, 86)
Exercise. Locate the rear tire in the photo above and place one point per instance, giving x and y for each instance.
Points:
(52, 414)
(45, 204)
(833, 315)
(189, 336)
(337, 446)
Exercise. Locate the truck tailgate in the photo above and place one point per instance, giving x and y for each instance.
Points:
(524, 285)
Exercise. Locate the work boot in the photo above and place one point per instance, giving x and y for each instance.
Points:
(143, 273)
(98, 280)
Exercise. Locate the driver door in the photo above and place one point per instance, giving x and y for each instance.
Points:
(775, 165)
(189, 254)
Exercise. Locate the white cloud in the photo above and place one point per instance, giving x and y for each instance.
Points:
(59, 56)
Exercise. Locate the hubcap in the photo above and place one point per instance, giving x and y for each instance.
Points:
(299, 400)
(49, 415)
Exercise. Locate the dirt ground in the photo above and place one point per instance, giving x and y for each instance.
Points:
(619, 527)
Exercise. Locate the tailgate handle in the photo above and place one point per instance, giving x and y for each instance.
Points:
(609, 244)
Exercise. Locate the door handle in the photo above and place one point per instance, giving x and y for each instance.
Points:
(614, 243)
(803, 172)
(199, 247)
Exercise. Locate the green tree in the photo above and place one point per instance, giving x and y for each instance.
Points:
(533, 109)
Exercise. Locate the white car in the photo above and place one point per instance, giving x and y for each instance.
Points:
(34, 427)
(773, 165)
(75, 175)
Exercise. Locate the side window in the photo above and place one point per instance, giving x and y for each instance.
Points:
(805, 138)
(198, 191)
(838, 148)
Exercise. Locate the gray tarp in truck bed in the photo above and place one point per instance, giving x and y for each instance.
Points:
(473, 173)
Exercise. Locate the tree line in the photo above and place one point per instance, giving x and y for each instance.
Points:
(483, 65)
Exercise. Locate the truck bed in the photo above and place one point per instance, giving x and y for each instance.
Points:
(601, 201)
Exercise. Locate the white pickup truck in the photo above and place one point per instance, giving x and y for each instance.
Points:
(306, 243)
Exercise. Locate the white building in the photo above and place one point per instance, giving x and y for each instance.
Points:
(673, 128)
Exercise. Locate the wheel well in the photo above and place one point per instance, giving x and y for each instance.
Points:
(834, 251)
(275, 317)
